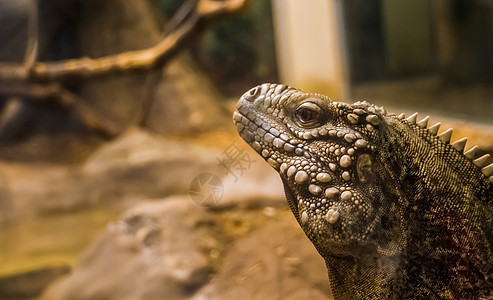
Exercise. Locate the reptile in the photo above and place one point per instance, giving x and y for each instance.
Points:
(396, 210)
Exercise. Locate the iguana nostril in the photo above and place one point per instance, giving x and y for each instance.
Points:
(252, 94)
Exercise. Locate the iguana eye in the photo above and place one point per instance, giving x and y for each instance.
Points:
(308, 114)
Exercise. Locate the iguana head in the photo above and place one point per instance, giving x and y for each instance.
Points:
(341, 167)
(326, 155)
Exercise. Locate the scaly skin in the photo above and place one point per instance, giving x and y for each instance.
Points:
(394, 209)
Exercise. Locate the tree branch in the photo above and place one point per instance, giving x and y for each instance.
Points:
(206, 12)
(35, 92)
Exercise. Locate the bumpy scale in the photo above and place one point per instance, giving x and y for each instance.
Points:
(395, 210)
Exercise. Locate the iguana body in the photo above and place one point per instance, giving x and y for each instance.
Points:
(394, 209)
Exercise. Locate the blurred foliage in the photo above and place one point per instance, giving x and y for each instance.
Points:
(236, 53)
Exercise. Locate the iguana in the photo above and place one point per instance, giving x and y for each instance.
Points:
(396, 211)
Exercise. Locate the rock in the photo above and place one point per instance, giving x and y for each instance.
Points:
(174, 249)
(144, 165)
(156, 250)
(138, 147)
(29, 284)
(136, 166)
(275, 262)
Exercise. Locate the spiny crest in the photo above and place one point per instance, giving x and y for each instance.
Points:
(459, 145)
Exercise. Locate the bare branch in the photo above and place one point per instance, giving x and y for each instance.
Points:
(206, 12)
(211, 9)
(55, 92)
(180, 16)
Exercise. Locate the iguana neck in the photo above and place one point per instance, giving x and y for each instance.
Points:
(444, 201)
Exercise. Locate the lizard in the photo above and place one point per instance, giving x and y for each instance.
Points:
(395, 209)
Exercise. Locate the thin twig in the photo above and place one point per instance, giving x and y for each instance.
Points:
(152, 81)
(185, 10)
(32, 36)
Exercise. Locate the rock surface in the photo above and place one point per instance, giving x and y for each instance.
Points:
(174, 249)
(154, 250)
(274, 262)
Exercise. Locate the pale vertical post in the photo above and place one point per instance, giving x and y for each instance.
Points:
(310, 46)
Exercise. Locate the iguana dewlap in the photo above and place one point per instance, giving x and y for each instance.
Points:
(395, 210)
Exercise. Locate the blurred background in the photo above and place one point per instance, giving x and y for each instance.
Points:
(121, 174)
